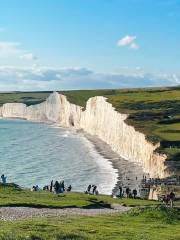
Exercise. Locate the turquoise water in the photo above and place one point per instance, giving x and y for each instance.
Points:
(35, 153)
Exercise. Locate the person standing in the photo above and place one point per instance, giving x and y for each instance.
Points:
(89, 189)
(51, 186)
(62, 186)
(127, 192)
(134, 193)
(120, 191)
(3, 178)
(172, 198)
(94, 189)
(56, 187)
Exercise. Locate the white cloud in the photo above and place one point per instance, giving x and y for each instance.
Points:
(134, 46)
(48, 78)
(125, 41)
(28, 56)
(128, 41)
(8, 49)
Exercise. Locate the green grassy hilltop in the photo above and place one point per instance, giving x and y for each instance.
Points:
(149, 220)
(152, 111)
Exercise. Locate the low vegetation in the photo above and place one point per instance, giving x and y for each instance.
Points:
(153, 222)
(144, 224)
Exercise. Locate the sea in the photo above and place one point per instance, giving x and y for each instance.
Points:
(34, 153)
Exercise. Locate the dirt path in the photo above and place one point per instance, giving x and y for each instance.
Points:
(18, 213)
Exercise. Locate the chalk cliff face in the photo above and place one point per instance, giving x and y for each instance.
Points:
(98, 119)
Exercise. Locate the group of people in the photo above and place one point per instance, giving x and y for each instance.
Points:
(35, 188)
(127, 192)
(92, 189)
(57, 187)
(151, 181)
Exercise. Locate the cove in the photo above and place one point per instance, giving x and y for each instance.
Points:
(35, 153)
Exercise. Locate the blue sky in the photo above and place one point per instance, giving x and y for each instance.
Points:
(71, 44)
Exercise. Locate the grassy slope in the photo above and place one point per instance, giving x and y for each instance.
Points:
(146, 223)
(148, 110)
(11, 195)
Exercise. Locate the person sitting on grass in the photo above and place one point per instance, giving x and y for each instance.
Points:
(46, 188)
(35, 188)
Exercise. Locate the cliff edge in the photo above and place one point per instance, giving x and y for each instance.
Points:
(99, 119)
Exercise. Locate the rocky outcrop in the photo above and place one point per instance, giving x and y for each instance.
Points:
(99, 119)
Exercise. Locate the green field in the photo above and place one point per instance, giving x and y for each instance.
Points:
(151, 221)
(140, 224)
(152, 111)
(28, 98)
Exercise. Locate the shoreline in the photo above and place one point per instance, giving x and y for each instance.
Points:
(129, 173)
(122, 166)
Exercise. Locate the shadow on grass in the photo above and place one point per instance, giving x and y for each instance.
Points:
(93, 205)
(31, 205)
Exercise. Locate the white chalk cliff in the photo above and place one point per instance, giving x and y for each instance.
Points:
(100, 119)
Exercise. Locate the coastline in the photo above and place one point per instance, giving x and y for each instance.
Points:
(130, 174)
(125, 176)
